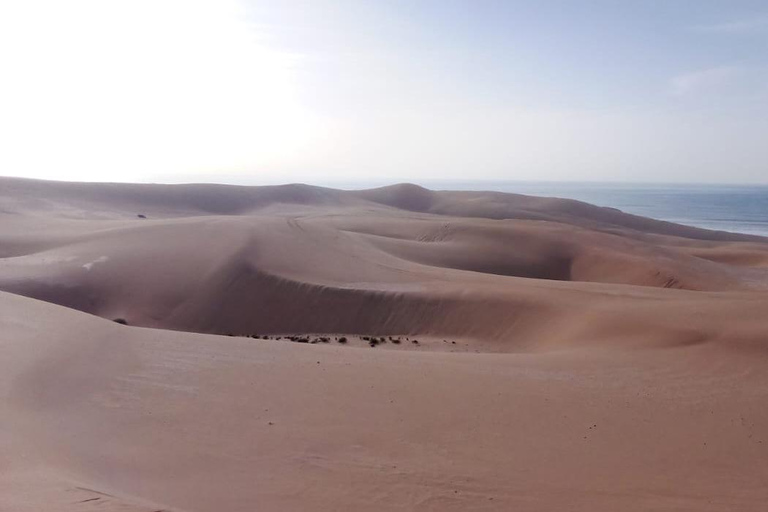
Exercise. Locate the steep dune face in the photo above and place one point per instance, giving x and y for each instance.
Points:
(553, 251)
(307, 259)
(570, 357)
(120, 418)
(300, 258)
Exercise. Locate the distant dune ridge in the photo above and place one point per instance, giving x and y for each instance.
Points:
(570, 355)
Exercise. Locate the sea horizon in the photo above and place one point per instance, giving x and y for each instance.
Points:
(736, 208)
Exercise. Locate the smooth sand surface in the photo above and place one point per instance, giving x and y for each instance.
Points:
(602, 361)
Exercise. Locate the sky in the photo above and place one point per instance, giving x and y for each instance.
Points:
(325, 91)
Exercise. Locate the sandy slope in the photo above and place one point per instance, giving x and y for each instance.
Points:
(604, 361)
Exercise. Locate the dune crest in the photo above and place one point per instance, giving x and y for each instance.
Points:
(393, 260)
(533, 353)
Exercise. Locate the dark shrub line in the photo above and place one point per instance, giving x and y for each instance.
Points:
(373, 341)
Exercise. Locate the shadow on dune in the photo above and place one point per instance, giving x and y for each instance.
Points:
(521, 271)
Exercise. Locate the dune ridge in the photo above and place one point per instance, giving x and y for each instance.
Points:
(570, 356)
(296, 258)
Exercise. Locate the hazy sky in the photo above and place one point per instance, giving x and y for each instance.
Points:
(324, 90)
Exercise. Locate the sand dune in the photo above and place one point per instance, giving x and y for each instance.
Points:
(603, 361)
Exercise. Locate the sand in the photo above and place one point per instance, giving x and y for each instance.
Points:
(570, 357)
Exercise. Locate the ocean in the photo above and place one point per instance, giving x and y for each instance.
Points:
(735, 208)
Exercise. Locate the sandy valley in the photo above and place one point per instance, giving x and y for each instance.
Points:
(569, 357)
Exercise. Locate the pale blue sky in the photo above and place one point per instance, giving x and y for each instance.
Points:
(318, 91)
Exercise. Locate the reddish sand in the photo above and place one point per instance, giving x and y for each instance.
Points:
(601, 361)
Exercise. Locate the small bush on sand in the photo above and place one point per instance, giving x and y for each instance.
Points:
(343, 339)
